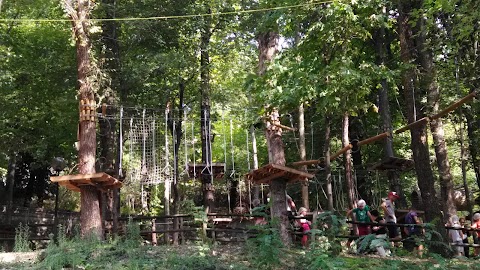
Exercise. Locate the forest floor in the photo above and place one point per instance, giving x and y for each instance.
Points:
(217, 257)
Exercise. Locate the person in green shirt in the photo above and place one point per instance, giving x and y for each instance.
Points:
(362, 215)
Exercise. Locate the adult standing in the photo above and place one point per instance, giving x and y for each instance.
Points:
(388, 206)
(456, 235)
(476, 232)
(413, 232)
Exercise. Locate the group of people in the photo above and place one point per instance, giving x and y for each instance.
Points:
(459, 233)
(385, 227)
(369, 221)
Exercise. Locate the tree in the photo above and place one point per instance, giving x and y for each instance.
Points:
(79, 13)
(418, 133)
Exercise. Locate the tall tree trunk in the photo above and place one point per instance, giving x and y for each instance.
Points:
(463, 158)
(328, 169)
(384, 110)
(107, 126)
(278, 186)
(256, 188)
(268, 47)
(347, 162)
(472, 131)
(205, 125)
(429, 84)
(177, 135)
(303, 152)
(419, 144)
(90, 217)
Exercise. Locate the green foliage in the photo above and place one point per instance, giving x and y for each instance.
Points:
(132, 237)
(265, 249)
(329, 227)
(22, 235)
(435, 242)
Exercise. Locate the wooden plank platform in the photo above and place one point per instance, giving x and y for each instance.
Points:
(270, 172)
(393, 163)
(102, 181)
(196, 170)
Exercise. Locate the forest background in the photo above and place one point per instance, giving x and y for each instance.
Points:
(356, 68)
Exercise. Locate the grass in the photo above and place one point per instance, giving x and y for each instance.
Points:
(264, 252)
(196, 256)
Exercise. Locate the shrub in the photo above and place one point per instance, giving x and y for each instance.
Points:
(22, 233)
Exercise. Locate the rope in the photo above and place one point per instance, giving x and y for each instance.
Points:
(240, 192)
(232, 148)
(120, 150)
(193, 146)
(185, 141)
(176, 17)
(143, 160)
(144, 140)
(174, 138)
(311, 132)
(290, 117)
(167, 151)
(130, 135)
(224, 139)
(249, 182)
(153, 147)
(210, 147)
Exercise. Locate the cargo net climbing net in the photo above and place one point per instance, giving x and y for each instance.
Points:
(147, 147)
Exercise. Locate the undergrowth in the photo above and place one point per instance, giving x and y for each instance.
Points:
(22, 233)
(266, 251)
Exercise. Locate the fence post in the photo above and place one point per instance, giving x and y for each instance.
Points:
(154, 234)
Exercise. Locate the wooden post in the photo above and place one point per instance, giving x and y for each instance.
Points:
(154, 234)
(182, 234)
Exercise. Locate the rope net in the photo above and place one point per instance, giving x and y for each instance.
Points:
(145, 159)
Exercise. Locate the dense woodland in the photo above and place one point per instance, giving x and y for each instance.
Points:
(304, 79)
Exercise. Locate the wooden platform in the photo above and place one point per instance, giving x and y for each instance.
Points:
(392, 163)
(270, 172)
(102, 181)
(196, 170)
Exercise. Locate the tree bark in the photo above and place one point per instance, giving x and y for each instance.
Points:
(256, 188)
(177, 136)
(268, 47)
(463, 158)
(108, 143)
(205, 125)
(278, 186)
(328, 169)
(347, 162)
(419, 144)
(303, 152)
(380, 41)
(90, 216)
(472, 130)
(429, 83)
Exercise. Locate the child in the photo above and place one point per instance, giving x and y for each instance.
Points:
(380, 232)
(456, 235)
(412, 232)
(305, 224)
(466, 234)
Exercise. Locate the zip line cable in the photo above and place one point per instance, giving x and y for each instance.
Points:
(174, 17)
